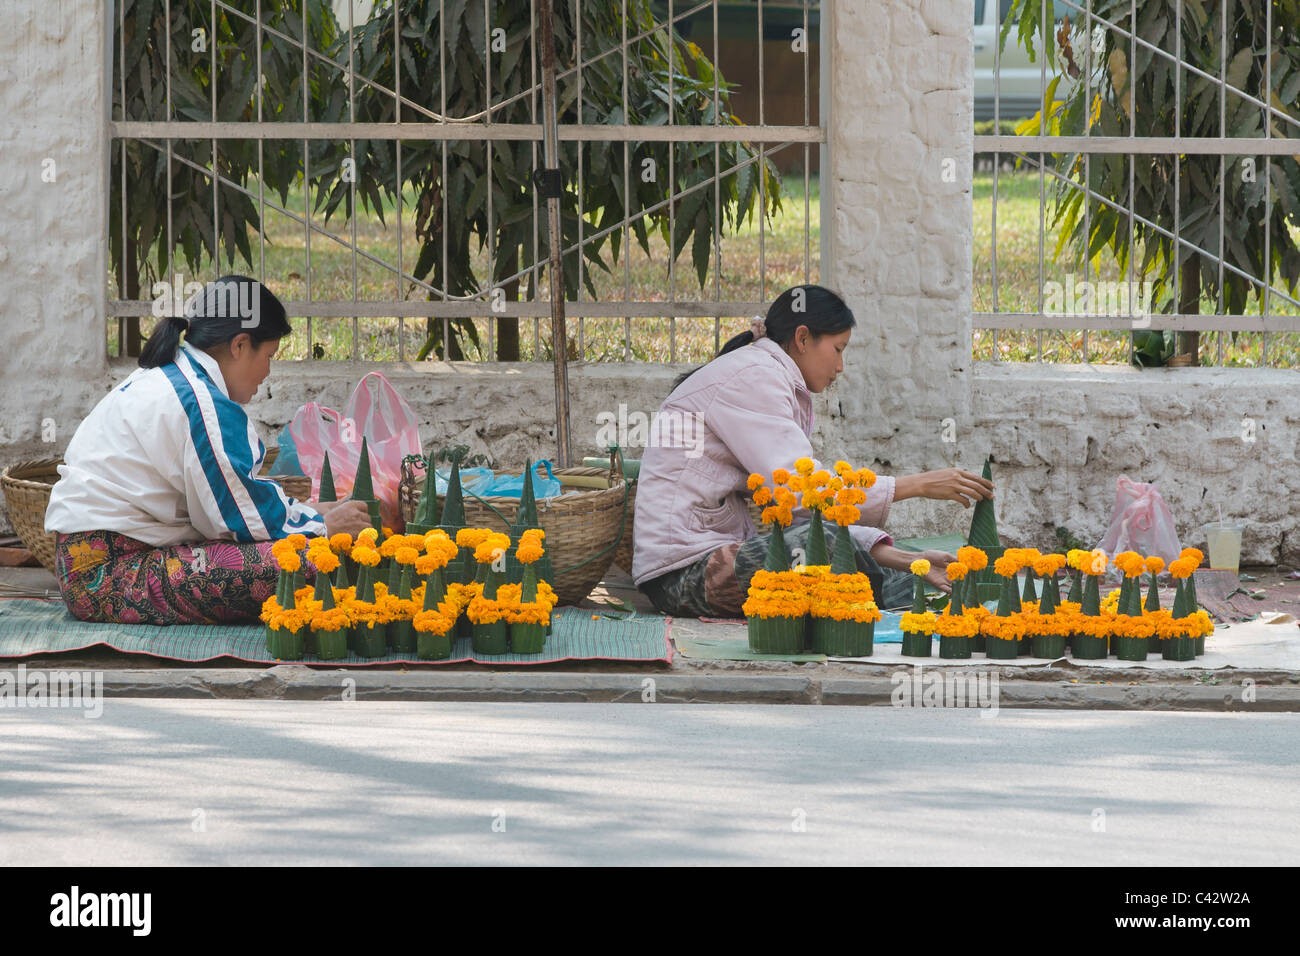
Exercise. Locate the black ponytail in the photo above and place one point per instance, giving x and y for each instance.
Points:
(815, 306)
(225, 308)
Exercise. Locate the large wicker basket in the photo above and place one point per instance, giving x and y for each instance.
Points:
(583, 529)
(27, 487)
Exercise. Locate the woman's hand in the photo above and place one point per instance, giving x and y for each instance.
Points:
(344, 517)
(937, 576)
(946, 484)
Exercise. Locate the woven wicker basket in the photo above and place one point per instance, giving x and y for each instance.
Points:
(583, 529)
(27, 487)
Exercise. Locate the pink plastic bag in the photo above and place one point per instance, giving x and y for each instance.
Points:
(1142, 522)
(375, 410)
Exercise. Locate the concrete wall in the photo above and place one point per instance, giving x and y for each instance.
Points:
(52, 252)
(896, 241)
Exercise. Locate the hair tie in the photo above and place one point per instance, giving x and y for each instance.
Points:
(183, 322)
(758, 327)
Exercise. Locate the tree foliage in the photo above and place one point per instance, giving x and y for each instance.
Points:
(1143, 92)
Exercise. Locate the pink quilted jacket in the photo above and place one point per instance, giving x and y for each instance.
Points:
(746, 411)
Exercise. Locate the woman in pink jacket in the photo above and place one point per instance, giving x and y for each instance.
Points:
(750, 410)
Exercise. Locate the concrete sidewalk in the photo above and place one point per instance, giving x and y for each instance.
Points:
(1059, 684)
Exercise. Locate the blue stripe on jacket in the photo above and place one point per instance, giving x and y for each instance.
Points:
(230, 510)
(266, 495)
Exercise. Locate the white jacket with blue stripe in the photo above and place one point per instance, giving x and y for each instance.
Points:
(169, 458)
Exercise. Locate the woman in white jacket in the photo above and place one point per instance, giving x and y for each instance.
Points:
(159, 515)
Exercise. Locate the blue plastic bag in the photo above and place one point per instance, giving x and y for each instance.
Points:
(471, 479)
(512, 486)
(286, 463)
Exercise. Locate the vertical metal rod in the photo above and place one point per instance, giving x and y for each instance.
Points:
(1223, 124)
(352, 187)
(807, 154)
(717, 188)
(997, 162)
(401, 192)
(442, 87)
(261, 163)
(167, 25)
(491, 221)
(1132, 131)
(306, 181)
(1178, 160)
(1268, 173)
(532, 99)
(551, 146)
(762, 169)
(582, 212)
(1042, 168)
(627, 200)
(121, 292)
(1087, 159)
(212, 90)
(671, 51)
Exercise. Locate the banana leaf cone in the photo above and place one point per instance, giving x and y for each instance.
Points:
(283, 583)
(401, 634)
(843, 638)
(816, 552)
(327, 492)
(918, 594)
(917, 645)
(329, 645)
(1009, 600)
(1076, 586)
(368, 640)
(493, 638)
(1192, 604)
(288, 645)
(363, 488)
(528, 638)
(778, 555)
(426, 510)
(1030, 596)
(844, 560)
(1054, 585)
(983, 522)
(956, 604)
(1050, 600)
(1091, 604)
(453, 503)
(526, 518)
(1135, 598)
(1181, 602)
(1153, 595)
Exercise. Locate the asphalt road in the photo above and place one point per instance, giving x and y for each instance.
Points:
(298, 782)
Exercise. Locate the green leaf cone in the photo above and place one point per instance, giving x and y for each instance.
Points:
(491, 582)
(1091, 597)
(983, 523)
(362, 486)
(778, 555)
(1181, 603)
(528, 587)
(525, 518)
(435, 589)
(816, 551)
(1076, 586)
(327, 492)
(426, 512)
(1009, 599)
(1054, 585)
(1153, 595)
(1192, 604)
(1029, 596)
(1050, 599)
(365, 582)
(324, 591)
(453, 505)
(845, 559)
(956, 604)
(404, 583)
(918, 594)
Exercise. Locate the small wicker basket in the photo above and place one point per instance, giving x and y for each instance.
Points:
(27, 487)
(583, 529)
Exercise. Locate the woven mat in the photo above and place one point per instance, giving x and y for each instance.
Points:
(29, 627)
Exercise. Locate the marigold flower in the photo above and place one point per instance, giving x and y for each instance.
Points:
(956, 570)
(368, 535)
(341, 541)
(406, 555)
(755, 482)
(763, 496)
(973, 558)
(1006, 566)
(920, 567)
(364, 554)
(471, 537)
(780, 476)
(324, 560)
(491, 547)
(804, 466)
(289, 561)
(1155, 564)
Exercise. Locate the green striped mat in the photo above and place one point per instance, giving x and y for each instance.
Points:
(30, 627)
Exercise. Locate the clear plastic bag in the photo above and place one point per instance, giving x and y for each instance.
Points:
(1141, 522)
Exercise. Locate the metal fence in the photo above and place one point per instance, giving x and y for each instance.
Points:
(1276, 313)
(411, 294)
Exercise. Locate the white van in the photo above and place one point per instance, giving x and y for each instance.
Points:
(1020, 90)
